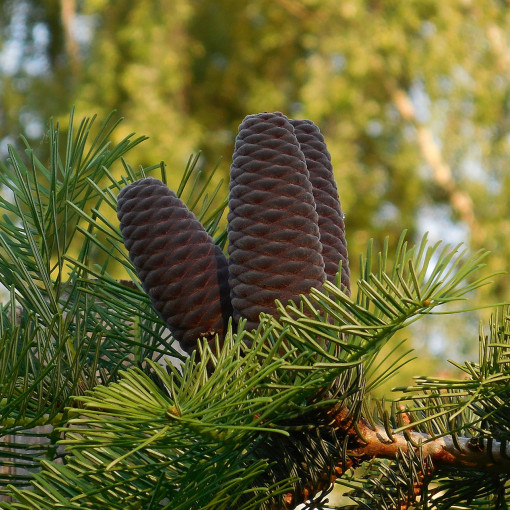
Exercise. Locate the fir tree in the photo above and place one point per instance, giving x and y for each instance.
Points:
(264, 418)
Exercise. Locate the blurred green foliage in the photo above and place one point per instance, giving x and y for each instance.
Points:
(413, 97)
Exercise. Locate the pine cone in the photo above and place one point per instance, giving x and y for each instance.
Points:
(274, 246)
(181, 268)
(331, 220)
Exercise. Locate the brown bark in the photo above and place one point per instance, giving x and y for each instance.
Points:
(67, 15)
(473, 453)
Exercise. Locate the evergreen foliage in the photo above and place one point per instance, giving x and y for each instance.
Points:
(269, 420)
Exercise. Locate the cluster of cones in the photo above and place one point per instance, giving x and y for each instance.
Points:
(285, 230)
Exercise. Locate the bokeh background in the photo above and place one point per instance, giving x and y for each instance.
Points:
(413, 98)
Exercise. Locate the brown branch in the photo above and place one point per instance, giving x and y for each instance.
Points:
(370, 443)
(499, 45)
(442, 174)
(475, 454)
(67, 16)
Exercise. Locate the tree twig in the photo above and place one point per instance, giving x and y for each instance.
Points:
(474, 453)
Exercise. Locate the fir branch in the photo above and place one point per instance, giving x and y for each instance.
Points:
(459, 452)
(282, 415)
(292, 395)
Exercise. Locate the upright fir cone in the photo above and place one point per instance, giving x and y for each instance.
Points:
(331, 219)
(273, 233)
(181, 268)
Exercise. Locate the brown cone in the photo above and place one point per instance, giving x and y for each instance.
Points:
(181, 268)
(331, 219)
(274, 246)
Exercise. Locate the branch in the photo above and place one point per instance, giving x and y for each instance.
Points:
(442, 174)
(474, 453)
(67, 15)
(499, 45)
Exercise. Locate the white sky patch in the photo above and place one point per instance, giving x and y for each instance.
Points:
(389, 212)
(421, 102)
(83, 28)
(10, 57)
(437, 222)
(12, 51)
(4, 145)
(36, 63)
(32, 125)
